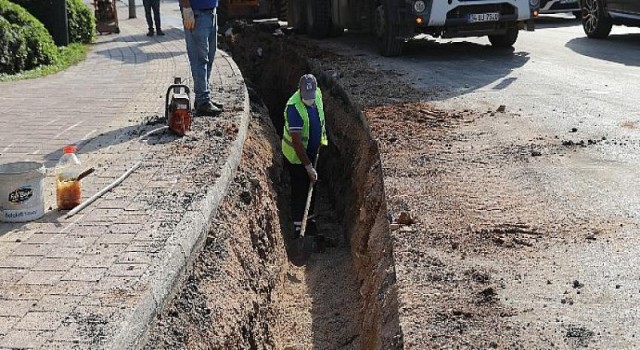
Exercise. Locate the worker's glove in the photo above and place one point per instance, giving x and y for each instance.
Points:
(188, 19)
(313, 175)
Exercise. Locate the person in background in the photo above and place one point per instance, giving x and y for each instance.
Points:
(304, 133)
(200, 33)
(155, 6)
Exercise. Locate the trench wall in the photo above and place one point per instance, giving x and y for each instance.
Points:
(351, 164)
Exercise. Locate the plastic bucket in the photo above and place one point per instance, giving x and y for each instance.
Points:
(21, 191)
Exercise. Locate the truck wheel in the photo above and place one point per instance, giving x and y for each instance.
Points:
(387, 32)
(595, 22)
(318, 18)
(295, 17)
(505, 40)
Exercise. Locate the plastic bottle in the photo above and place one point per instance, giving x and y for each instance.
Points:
(68, 190)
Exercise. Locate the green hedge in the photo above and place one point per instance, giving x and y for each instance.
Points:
(82, 23)
(24, 42)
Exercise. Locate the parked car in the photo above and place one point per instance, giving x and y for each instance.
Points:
(560, 6)
(598, 16)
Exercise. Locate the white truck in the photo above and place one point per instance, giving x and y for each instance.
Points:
(395, 21)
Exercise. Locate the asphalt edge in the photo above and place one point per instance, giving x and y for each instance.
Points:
(190, 235)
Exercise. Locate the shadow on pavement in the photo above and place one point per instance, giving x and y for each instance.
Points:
(621, 48)
(134, 54)
(51, 215)
(471, 65)
(118, 136)
(547, 22)
(468, 65)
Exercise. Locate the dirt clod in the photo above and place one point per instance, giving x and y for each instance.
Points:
(405, 218)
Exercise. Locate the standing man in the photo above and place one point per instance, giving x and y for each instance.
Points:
(200, 33)
(155, 6)
(304, 133)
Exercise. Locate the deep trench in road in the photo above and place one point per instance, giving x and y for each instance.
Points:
(241, 290)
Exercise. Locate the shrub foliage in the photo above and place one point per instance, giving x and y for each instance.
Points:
(24, 42)
(82, 24)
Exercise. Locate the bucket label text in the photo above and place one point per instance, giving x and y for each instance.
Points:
(20, 195)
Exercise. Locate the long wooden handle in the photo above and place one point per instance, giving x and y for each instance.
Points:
(307, 205)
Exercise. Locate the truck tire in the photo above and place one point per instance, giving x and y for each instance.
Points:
(595, 22)
(295, 15)
(318, 18)
(387, 33)
(504, 40)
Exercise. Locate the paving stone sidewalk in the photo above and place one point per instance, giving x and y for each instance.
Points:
(96, 279)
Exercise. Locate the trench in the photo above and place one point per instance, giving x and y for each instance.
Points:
(241, 291)
(344, 298)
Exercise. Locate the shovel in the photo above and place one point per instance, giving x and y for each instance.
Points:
(303, 246)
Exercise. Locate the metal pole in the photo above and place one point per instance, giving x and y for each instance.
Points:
(60, 23)
(132, 8)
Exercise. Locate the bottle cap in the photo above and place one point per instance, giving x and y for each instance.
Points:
(69, 149)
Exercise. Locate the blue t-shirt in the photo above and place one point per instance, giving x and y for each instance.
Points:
(203, 4)
(315, 128)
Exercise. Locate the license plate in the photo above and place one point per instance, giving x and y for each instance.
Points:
(484, 17)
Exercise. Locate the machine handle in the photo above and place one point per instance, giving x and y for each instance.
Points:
(166, 98)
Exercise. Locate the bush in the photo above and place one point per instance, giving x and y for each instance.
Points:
(82, 24)
(24, 42)
(13, 48)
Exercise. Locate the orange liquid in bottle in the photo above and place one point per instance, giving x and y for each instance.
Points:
(68, 194)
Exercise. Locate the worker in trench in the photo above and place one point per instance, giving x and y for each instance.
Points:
(304, 134)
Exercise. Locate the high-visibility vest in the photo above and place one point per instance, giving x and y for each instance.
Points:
(287, 144)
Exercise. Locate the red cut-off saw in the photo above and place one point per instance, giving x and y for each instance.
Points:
(178, 108)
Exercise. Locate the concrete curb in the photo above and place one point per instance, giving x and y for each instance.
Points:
(182, 247)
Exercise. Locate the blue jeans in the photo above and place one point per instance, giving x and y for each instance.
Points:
(202, 42)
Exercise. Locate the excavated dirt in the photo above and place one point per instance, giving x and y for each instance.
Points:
(225, 300)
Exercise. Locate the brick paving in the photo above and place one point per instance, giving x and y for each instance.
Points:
(94, 280)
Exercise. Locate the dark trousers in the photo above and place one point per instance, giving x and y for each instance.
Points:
(299, 190)
(155, 6)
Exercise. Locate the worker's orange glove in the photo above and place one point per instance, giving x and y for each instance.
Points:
(188, 19)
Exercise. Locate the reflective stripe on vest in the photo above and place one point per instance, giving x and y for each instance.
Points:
(287, 143)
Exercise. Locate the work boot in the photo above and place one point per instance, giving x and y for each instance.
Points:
(208, 109)
(160, 32)
(150, 32)
(218, 104)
